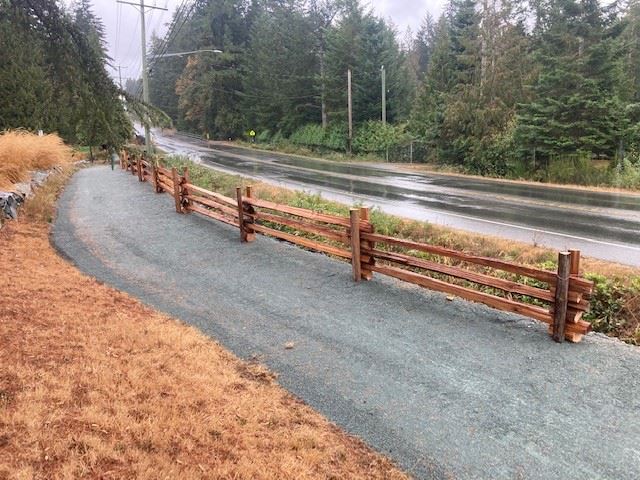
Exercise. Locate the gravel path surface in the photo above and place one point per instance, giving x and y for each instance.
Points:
(447, 389)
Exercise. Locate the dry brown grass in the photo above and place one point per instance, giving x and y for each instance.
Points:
(21, 152)
(42, 206)
(94, 384)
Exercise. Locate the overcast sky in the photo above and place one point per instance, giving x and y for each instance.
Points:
(122, 24)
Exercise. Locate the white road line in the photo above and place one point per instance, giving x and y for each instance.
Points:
(547, 232)
(493, 222)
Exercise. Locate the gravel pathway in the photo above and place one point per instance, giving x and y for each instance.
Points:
(447, 389)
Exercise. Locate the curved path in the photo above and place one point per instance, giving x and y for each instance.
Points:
(447, 389)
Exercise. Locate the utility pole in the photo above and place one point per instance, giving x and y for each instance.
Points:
(349, 108)
(384, 95)
(145, 69)
(120, 67)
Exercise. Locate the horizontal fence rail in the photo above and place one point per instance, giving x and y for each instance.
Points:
(558, 298)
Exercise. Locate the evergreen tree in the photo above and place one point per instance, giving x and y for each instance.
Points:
(321, 14)
(281, 70)
(363, 43)
(629, 78)
(209, 87)
(424, 44)
(164, 74)
(100, 119)
(428, 113)
(25, 86)
(59, 82)
(574, 104)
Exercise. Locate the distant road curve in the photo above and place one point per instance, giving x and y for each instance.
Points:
(604, 225)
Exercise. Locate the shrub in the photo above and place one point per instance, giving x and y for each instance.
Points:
(374, 136)
(336, 137)
(495, 155)
(309, 135)
(577, 168)
(21, 152)
(615, 307)
(627, 175)
(264, 136)
(278, 138)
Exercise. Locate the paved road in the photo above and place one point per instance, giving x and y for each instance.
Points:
(603, 225)
(447, 389)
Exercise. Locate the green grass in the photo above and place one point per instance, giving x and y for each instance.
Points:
(292, 149)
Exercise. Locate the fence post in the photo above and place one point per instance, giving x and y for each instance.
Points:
(243, 232)
(561, 297)
(140, 169)
(154, 176)
(251, 235)
(133, 170)
(575, 262)
(184, 190)
(176, 189)
(354, 216)
(366, 273)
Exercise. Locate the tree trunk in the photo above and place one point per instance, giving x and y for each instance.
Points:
(323, 100)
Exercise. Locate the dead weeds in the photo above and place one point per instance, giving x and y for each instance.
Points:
(94, 384)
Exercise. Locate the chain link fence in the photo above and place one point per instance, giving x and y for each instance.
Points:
(415, 151)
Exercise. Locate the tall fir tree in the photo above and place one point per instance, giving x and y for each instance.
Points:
(281, 70)
(68, 89)
(574, 103)
(364, 43)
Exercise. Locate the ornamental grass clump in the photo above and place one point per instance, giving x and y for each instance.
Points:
(22, 152)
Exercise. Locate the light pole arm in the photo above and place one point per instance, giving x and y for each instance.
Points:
(180, 54)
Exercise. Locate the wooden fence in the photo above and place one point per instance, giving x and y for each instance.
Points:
(558, 298)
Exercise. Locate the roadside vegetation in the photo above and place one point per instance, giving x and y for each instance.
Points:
(95, 384)
(569, 170)
(615, 306)
(541, 91)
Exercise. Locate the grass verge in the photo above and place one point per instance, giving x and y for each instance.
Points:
(616, 301)
(293, 149)
(94, 384)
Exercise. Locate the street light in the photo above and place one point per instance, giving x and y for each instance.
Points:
(180, 54)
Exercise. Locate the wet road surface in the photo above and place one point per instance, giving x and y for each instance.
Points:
(602, 224)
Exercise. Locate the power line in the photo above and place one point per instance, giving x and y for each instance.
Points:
(118, 22)
(145, 73)
(135, 29)
(257, 94)
(165, 42)
(173, 32)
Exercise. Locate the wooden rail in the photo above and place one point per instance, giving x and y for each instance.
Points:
(557, 298)
(474, 278)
